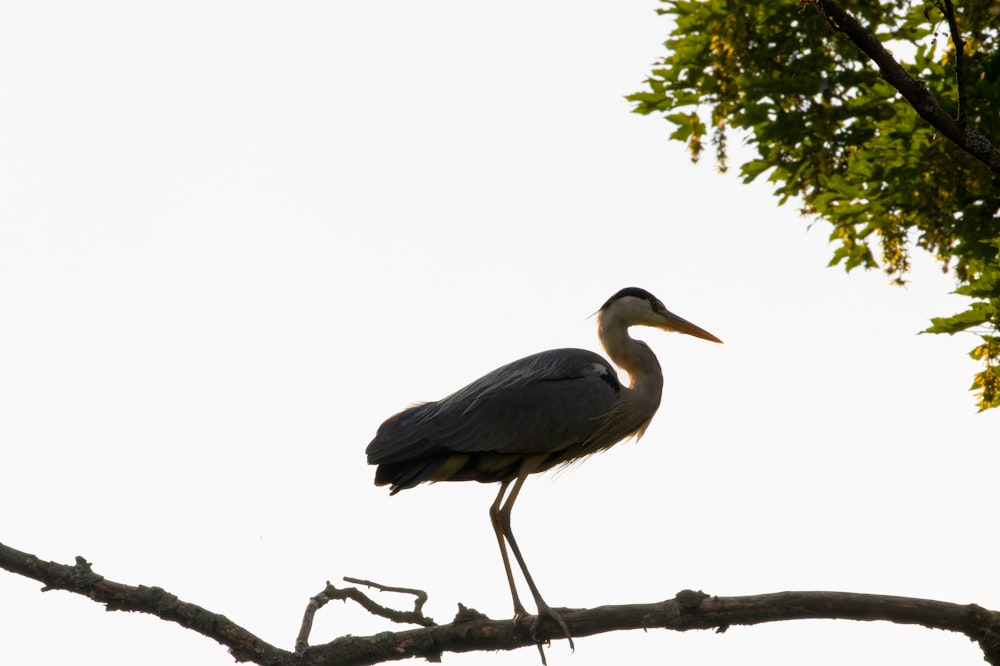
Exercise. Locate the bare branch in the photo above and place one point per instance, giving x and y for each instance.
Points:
(913, 90)
(81, 579)
(415, 616)
(688, 610)
(472, 631)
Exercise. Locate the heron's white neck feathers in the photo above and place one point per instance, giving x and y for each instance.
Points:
(632, 356)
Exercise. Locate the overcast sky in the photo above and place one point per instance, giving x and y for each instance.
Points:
(236, 236)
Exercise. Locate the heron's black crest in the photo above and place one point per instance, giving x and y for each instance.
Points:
(630, 291)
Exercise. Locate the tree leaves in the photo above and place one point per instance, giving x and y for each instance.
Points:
(836, 137)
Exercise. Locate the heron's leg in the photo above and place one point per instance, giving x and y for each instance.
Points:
(519, 610)
(504, 517)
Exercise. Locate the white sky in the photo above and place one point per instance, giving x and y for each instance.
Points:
(236, 236)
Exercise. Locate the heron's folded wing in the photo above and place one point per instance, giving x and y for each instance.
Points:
(545, 402)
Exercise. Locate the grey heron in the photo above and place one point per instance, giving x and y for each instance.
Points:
(532, 415)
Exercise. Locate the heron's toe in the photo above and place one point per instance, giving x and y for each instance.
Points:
(546, 611)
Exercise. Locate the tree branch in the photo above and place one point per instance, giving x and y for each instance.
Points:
(472, 631)
(81, 579)
(913, 90)
(416, 616)
(959, 43)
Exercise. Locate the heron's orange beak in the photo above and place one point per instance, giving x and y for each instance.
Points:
(680, 325)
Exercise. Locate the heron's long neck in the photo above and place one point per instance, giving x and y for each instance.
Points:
(635, 358)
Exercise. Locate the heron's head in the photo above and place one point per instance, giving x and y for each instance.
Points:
(637, 307)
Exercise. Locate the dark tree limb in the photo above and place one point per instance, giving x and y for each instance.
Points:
(959, 43)
(913, 90)
(472, 631)
(81, 579)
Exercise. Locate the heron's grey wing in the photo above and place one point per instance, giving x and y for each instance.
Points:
(545, 402)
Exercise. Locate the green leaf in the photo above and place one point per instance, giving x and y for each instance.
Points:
(977, 314)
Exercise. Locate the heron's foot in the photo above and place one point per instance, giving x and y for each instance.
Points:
(545, 611)
(520, 612)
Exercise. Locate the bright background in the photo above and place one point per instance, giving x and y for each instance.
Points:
(236, 236)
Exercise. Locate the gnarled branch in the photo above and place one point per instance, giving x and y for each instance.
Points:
(81, 579)
(472, 631)
(330, 593)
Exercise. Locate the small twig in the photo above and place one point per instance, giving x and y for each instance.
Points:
(416, 616)
(956, 39)
(331, 592)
